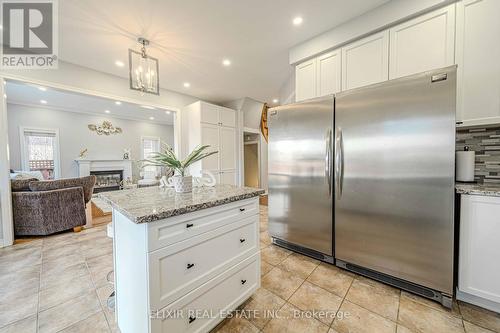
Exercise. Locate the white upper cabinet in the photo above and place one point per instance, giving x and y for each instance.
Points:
(209, 113)
(305, 80)
(478, 59)
(366, 61)
(424, 43)
(227, 117)
(329, 73)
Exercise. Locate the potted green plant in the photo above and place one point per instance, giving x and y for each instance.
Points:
(182, 182)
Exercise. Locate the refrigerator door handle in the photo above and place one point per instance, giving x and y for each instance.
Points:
(339, 163)
(328, 160)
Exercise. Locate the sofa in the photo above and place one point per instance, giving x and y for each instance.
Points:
(47, 207)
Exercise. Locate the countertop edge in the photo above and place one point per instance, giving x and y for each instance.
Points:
(183, 210)
(477, 189)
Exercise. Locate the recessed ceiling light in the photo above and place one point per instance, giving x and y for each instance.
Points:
(298, 20)
(151, 118)
(4, 95)
(187, 85)
(43, 101)
(167, 112)
(226, 62)
(147, 107)
(42, 88)
(107, 111)
(118, 103)
(119, 63)
(275, 100)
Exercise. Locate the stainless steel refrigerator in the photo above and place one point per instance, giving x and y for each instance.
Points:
(377, 194)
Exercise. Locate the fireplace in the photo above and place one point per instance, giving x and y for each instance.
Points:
(107, 180)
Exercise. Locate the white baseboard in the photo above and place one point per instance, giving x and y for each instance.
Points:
(479, 301)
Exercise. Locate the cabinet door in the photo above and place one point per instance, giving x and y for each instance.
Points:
(209, 113)
(329, 73)
(479, 271)
(478, 59)
(424, 43)
(305, 80)
(227, 152)
(366, 61)
(227, 117)
(228, 177)
(210, 136)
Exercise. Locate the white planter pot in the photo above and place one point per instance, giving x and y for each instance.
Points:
(182, 184)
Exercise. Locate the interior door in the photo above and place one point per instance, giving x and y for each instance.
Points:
(394, 167)
(300, 188)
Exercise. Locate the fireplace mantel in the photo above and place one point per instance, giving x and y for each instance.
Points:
(86, 165)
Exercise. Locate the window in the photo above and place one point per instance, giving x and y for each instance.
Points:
(40, 151)
(150, 145)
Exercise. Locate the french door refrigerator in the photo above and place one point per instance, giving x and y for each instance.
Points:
(300, 182)
(375, 164)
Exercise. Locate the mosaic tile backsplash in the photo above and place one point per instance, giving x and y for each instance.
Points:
(486, 143)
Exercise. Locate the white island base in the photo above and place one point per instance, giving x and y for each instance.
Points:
(184, 273)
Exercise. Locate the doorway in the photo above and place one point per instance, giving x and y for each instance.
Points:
(252, 160)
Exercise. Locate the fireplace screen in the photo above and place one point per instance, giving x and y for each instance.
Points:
(109, 180)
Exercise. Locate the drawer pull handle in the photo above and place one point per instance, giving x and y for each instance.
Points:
(189, 225)
(242, 240)
(191, 319)
(190, 266)
(242, 209)
(243, 281)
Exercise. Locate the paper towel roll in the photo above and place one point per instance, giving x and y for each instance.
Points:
(465, 166)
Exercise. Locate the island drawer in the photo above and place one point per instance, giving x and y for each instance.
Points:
(177, 269)
(203, 308)
(175, 229)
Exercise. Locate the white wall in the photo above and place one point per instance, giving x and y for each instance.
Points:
(74, 135)
(287, 91)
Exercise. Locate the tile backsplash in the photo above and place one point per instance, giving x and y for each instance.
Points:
(486, 143)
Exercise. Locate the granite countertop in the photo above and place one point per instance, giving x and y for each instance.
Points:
(150, 204)
(478, 189)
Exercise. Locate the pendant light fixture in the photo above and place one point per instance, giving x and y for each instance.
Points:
(143, 70)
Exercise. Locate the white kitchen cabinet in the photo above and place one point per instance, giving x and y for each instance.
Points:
(305, 80)
(214, 125)
(329, 73)
(424, 43)
(478, 59)
(366, 61)
(479, 268)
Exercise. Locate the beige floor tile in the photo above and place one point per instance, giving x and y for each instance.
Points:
(263, 245)
(353, 318)
(332, 279)
(103, 294)
(265, 238)
(261, 306)
(67, 238)
(65, 291)
(265, 267)
(281, 283)
(310, 297)
(55, 252)
(402, 329)
(237, 324)
(27, 325)
(97, 247)
(423, 319)
(99, 267)
(471, 328)
(56, 264)
(53, 278)
(274, 254)
(299, 265)
(481, 317)
(292, 320)
(375, 296)
(14, 260)
(66, 314)
(25, 280)
(96, 324)
(435, 305)
(17, 306)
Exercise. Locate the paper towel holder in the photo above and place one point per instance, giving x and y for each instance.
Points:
(469, 175)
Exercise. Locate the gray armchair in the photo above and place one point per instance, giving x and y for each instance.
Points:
(46, 207)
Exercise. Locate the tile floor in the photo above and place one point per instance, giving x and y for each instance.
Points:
(58, 284)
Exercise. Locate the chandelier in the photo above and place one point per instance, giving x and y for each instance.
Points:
(143, 70)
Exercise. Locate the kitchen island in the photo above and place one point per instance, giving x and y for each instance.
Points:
(183, 261)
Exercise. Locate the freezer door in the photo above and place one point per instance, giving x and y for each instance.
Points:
(394, 185)
(300, 160)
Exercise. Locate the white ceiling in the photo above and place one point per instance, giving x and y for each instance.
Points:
(31, 95)
(191, 37)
